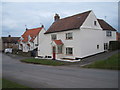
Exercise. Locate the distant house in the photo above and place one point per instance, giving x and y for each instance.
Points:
(10, 42)
(30, 39)
(76, 36)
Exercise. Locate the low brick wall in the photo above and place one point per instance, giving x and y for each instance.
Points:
(19, 52)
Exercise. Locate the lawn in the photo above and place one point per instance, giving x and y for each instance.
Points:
(10, 84)
(43, 62)
(112, 62)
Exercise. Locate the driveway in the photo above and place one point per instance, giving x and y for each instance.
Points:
(42, 76)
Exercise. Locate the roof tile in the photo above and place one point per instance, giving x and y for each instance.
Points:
(68, 23)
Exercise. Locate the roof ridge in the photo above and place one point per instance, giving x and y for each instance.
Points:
(34, 28)
(76, 14)
(68, 23)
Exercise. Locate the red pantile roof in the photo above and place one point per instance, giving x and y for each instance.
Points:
(105, 26)
(32, 33)
(58, 42)
(68, 23)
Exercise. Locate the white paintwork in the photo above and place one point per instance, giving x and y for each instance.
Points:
(84, 42)
(32, 44)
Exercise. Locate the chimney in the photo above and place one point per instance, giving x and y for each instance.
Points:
(9, 35)
(26, 29)
(42, 26)
(56, 17)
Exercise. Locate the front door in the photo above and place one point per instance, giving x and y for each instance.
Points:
(54, 53)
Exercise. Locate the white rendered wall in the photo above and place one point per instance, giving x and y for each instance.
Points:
(110, 38)
(84, 42)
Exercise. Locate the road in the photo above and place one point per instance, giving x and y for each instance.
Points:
(42, 76)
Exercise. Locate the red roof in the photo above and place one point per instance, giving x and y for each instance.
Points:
(105, 26)
(58, 42)
(68, 23)
(32, 33)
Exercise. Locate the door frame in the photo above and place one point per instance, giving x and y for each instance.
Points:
(54, 52)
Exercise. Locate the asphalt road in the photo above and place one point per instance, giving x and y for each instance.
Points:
(42, 76)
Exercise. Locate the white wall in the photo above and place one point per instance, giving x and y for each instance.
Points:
(110, 38)
(84, 42)
(32, 44)
(89, 41)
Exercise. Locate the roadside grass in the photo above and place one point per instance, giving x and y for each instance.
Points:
(10, 84)
(0, 83)
(44, 62)
(112, 62)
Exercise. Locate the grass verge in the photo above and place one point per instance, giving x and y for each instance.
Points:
(10, 84)
(112, 62)
(43, 62)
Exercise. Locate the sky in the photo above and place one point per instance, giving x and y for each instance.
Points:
(15, 15)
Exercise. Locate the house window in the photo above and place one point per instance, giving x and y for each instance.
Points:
(59, 48)
(28, 47)
(69, 35)
(69, 51)
(95, 23)
(108, 33)
(105, 46)
(53, 37)
(97, 46)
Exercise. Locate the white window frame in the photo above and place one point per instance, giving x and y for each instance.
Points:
(59, 48)
(108, 33)
(53, 37)
(95, 23)
(106, 46)
(69, 36)
(69, 51)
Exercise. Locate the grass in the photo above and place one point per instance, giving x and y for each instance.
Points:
(43, 62)
(10, 84)
(112, 62)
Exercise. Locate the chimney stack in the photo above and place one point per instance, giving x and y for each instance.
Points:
(42, 26)
(56, 17)
(26, 29)
(9, 35)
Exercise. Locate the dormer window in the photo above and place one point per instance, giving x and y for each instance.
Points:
(95, 23)
(53, 37)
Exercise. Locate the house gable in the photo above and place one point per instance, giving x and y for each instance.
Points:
(91, 22)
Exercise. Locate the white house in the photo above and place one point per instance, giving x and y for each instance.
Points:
(29, 41)
(76, 36)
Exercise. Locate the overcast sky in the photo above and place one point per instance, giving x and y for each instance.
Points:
(15, 15)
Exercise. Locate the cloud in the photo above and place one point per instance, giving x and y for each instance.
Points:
(18, 14)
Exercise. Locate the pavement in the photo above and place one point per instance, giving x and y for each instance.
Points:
(43, 76)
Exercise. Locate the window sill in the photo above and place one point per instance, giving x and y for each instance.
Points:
(59, 53)
(69, 54)
(68, 39)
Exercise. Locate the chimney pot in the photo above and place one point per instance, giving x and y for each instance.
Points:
(56, 17)
(42, 26)
(26, 29)
(9, 35)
